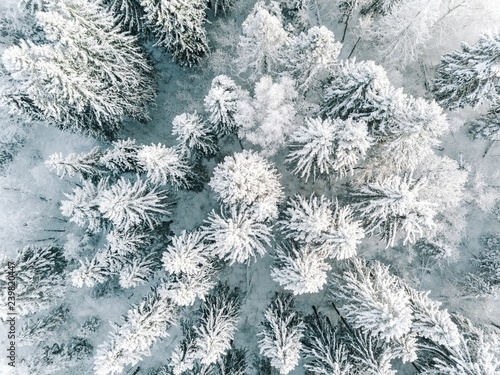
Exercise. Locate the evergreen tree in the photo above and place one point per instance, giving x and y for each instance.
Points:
(223, 6)
(236, 236)
(268, 119)
(262, 40)
(324, 147)
(486, 126)
(38, 279)
(128, 204)
(86, 165)
(128, 14)
(281, 334)
(193, 135)
(122, 157)
(247, 180)
(299, 269)
(358, 90)
(323, 226)
(46, 327)
(372, 300)
(144, 324)
(178, 25)
(393, 207)
(470, 76)
(381, 7)
(310, 57)
(221, 103)
(164, 165)
(70, 82)
(233, 363)
(137, 271)
(323, 349)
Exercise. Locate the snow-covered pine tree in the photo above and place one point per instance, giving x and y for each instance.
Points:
(122, 157)
(299, 269)
(218, 317)
(411, 129)
(429, 321)
(236, 235)
(358, 90)
(164, 165)
(128, 204)
(190, 267)
(247, 180)
(470, 76)
(39, 279)
(183, 357)
(144, 324)
(310, 57)
(297, 12)
(381, 7)
(193, 135)
(91, 271)
(268, 119)
(138, 270)
(323, 147)
(178, 25)
(86, 165)
(70, 82)
(282, 330)
(128, 14)
(221, 104)
(485, 278)
(322, 347)
(33, 332)
(486, 126)
(372, 300)
(392, 207)
(262, 41)
(477, 352)
(124, 242)
(58, 357)
(322, 225)
(223, 6)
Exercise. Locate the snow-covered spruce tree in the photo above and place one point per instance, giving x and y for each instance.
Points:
(399, 36)
(218, 317)
(247, 180)
(33, 332)
(233, 363)
(322, 225)
(164, 165)
(486, 126)
(358, 90)
(281, 332)
(411, 129)
(477, 352)
(236, 235)
(85, 165)
(178, 25)
(122, 157)
(58, 357)
(221, 104)
(193, 135)
(138, 270)
(323, 147)
(393, 208)
(70, 82)
(128, 204)
(262, 40)
(372, 299)
(183, 357)
(297, 12)
(128, 14)
(310, 57)
(91, 271)
(268, 119)
(223, 6)
(429, 321)
(38, 276)
(191, 270)
(322, 347)
(485, 278)
(381, 7)
(144, 324)
(471, 76)
(300, 269)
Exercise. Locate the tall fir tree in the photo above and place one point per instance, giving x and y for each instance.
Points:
(75, 85)
(471, 76)
(178, 25)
